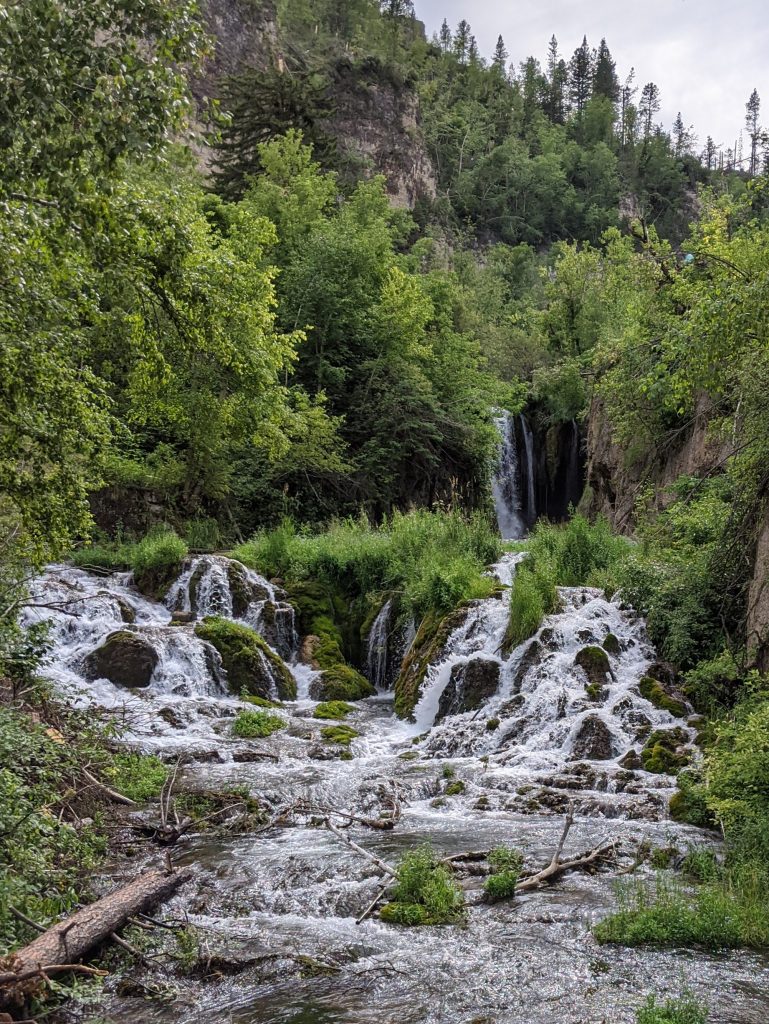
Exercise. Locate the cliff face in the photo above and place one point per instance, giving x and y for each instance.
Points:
(614, 483)
(375, 119)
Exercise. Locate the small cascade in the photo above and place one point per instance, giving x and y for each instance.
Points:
(529, 473)
(378, 642)
(573, 472)
(504, 484)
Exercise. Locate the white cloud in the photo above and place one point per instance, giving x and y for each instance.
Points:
(705, 56)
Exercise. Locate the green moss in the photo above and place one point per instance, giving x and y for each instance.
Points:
(593, 691)
(342, 683)
(661, 753)
(448, 771)
(455, 788)
(342, 735)
(492, 724)
(251, 725)
(611, 644)
(595, 663)
(251, 665)
(655, 693)
(260, 702)
(433, 632)
(333, 709)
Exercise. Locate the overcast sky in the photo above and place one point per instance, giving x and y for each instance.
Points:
(705, 55)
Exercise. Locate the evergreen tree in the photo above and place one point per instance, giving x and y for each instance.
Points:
(683, 137)
(397, 8)
(580, 77)
(499, 61)
(648, 108)
(445, 37)
(627, 111)
(605, 81)
(472, 51)
(709, 154)
(753, 126)
(557, 76)
(462, 41)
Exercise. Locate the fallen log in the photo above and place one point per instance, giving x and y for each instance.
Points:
(60, 948)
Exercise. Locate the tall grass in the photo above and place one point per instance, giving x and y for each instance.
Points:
(433, 559)
(684, 1010)
(160, 549)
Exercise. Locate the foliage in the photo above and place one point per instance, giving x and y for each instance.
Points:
(655, 693)
(342, 735)
(685, 1010)
(250, 725)
(159, 550)
(137, 776)
(424, 893)
(505, 863)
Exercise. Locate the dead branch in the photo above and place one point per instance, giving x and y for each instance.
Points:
(382, 865)
(372, 905)
(116, 797)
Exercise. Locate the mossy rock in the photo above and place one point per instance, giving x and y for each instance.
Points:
(611, 644)
(125, 658)
(340, 735)
(243, 591)
(333, 709)
(251, 666)
(492, 724)
(663, 754)
(470, 686)
(260, 702)
(456, 788)
(653, 691)
(594, 662)
(429, 643)
(340, 683)
(155, 583)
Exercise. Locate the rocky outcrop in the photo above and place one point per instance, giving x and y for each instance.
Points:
(593, 741)
(616, 477)
(125, 658)
(470, 685)
(251, 666)
(758, 599)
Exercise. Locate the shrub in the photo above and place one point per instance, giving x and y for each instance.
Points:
(332, 709)
(690, 803)
(249, 725)
(160, 550)
(527, 609)
(425, 892)
(202, 534)
(685, 1010)
(505, 863)
(136, 776)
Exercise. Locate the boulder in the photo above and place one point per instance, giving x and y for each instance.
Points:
(125, 658)
(531, 656)
(593, 741)
(594, 662)
(469, 686)
(251, 665)
(632, 760)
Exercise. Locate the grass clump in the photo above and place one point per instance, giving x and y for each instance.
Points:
(425, 892)
(332, 709)
(260, 702)
(684, 1010)
(505, 863)
(455, 788)
(250, 725)
(341, 735)
(155, 559)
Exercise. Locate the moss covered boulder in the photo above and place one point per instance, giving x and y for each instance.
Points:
(593, 741)
(611, 644)
(653, 691)
(427, 649)
(469, 686)
(250, 664)
(125, 658)
(665, 752)
(594, 662)
(340, 682)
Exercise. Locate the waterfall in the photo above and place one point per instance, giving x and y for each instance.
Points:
(504, 485)
(531, 498)
(378, 639)
(573, 481)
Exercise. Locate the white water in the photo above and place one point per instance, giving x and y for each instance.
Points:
(504, 484)
(292, 893)
(378, 641)
(531, 503)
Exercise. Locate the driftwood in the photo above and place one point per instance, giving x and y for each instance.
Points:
(558, 867)
(382, 865)
(60, 947)
(113, 794)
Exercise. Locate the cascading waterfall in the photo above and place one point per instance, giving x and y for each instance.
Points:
(504, 484)
(529, 473)
(378, 642)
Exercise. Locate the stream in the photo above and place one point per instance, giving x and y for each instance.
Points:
(279, 907)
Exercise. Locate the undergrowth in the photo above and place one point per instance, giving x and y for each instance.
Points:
(684, 1010)
(249, 725)
(425, 891)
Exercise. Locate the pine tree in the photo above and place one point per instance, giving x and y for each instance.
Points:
(445, 37)
(499, 61)
(580, 77)
(472, 51)
(397, 8)
(709, 154)
(627, 93)
(605, 81)
(557, 76)
(753, 126)
(462, 41)
(683, 137)
(648, 108)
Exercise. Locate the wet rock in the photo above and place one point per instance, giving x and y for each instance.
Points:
(611, 644)
(663, 672)
(548, 638)
(469, 686)
(632, 760)
(586, 636)
(206, 757)
(174, 717)
(243, 590)
(308, 650)
(595, 664)
(125, 658)
(531, 656)
(182, 618)
(659, 695)
(246, 755)
(249, 662)
(276, 625)
(593, 741)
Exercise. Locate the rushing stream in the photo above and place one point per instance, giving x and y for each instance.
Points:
(279, 907)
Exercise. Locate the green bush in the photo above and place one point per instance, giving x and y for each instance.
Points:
(136, 776)
(578, 553)
(160, 550)
(505, 863)
(527, 609)
(332, 709)
(685, 1010)
(425, 892)
(202, 534)
(249, 725)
